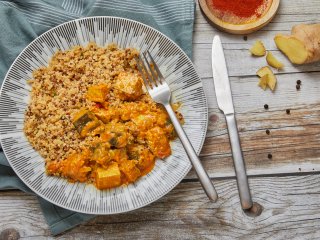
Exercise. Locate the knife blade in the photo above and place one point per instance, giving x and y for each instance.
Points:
(221, 78)
(225, 104)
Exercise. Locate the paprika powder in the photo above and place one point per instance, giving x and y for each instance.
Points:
(240, 8)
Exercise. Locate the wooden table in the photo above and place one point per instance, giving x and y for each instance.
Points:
(287, 186)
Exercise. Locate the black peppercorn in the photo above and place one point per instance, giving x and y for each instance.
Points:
(266, 106)
(268, 131)
(298, 82)
(245, 38)
(298, 87)
(269, 155)
(288, 111)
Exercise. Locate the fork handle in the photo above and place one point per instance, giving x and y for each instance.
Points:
(201, 172)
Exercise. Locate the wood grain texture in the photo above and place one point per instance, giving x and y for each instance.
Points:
(238, 58)
(291, 204)
(291, 210)
(294, 138)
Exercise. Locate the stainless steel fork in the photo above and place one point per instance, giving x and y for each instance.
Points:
(160, 92)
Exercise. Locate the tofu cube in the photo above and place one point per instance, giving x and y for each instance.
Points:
(128, 86)
(108, 178)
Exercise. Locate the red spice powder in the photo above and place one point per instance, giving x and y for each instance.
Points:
(240, 8)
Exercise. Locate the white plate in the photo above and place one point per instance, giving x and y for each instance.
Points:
(178, 70)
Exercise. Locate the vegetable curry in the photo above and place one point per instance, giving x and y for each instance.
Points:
(125, 138)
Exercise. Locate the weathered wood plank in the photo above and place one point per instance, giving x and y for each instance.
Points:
(293, 142)
(291, 210)
(249, 98)
(238, 58)
(241, 63)
(291, 204)
(281, 23)
(294, 138)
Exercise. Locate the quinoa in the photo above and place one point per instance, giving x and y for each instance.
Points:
(58, 91)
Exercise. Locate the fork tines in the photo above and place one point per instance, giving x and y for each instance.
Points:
(151, 75)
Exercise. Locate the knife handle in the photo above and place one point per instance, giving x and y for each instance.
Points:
(242, 180)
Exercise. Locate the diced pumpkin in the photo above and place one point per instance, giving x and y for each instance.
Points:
(143, 155)
(80, 119)
(98, 130)
(134, 151)
(75, 166)
(116, 134)
(130, 170)
(118, 155)
(101, 154)
(109, 177)
(162, 118)
(85, 122)
(115, 139)
(144, 121)
(158, 142)
(88, 128)
(103, 114)
(97, 93)
(145, 158)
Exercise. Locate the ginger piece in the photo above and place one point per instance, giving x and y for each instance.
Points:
(258, 49)
(264, 71)
(303, 45)
(273, 62)
(272, 81)
(263, 82)
(271, 78)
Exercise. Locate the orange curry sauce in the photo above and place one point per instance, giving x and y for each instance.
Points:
(125, 138)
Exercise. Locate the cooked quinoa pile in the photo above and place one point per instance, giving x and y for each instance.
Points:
(59, 90)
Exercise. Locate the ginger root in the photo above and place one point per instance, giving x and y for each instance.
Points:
(258, 49)
(273, 62)
(303, 45)
(263, 82)
(266, 75)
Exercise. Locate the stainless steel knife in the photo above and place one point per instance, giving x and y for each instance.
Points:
(225, 103)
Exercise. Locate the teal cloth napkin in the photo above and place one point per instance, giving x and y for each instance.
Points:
(24, 20)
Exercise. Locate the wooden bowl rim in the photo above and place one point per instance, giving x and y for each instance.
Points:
(240, 28)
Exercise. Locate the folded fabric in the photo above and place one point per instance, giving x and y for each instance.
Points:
(23, 20)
